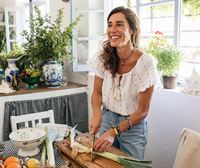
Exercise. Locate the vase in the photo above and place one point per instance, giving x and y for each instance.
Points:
(31, 81)
(53, 73)
(1, 74)
(12, 72)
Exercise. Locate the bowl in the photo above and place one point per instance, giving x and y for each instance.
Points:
(27, 140)
(31, 81)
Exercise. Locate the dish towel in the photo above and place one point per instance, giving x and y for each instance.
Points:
(188, 152)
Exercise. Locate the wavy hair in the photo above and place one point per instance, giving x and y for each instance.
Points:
(109, 54)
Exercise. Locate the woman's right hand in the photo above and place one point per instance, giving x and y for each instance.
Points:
(95, 123)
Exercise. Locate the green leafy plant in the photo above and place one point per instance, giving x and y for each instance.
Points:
(192, 5)
(16, 52)
(169, 60)
(2, 39)
(47, 40)
(168, 56)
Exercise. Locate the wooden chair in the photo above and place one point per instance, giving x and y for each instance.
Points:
(31, 120)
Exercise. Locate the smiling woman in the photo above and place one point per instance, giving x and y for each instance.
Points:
(124, 81)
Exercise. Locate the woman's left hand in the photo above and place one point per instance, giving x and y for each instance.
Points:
(104, 141)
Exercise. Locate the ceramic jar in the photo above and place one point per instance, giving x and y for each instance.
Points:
(53, 73)
(12, 72)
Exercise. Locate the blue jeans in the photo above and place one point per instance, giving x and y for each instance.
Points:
(132, 141)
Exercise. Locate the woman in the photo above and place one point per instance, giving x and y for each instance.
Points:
(124, 82)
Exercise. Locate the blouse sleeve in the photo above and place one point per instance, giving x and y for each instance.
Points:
(97, 65)
(147, 73)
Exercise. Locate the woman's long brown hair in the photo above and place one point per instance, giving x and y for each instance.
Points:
(109, 54)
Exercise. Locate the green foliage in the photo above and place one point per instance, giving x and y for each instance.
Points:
(169, 60)
(46, 39)
(16, 52)
(2, 39)
(193, 6)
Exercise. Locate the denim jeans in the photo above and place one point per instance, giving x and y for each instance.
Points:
(132, 141)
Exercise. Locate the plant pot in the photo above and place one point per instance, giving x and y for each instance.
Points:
(53, 73)
(169, 82)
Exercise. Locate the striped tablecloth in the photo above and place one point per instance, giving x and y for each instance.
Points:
(11, 150)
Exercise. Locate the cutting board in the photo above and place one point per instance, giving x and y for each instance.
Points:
(84, 159)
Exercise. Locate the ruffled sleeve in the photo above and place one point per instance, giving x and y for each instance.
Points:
(97, 65)
(147, 73)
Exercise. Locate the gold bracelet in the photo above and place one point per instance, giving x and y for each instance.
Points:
(116, 130)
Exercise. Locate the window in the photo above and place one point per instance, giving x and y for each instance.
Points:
(179, 25)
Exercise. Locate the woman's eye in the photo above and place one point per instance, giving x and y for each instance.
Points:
(119, 24)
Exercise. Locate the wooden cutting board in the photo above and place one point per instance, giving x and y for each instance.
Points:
(84, 159)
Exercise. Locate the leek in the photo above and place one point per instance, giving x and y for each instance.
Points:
(127, 162)
(43, 155)
(50, 137)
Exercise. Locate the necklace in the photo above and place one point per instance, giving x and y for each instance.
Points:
(126, 59)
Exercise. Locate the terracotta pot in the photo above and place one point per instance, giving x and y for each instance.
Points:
(169, 82)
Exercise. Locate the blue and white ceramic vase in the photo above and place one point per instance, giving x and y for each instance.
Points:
(1, 74)
(53, 73)
(12, 72)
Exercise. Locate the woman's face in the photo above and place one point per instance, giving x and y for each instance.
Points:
(118, 30)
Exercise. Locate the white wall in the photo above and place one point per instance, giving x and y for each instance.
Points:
(170, 112)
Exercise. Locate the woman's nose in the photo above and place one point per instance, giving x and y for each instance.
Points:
(112, 29)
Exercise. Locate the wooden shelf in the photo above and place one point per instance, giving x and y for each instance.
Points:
(23, 90)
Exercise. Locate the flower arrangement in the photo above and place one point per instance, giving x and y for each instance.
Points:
(30, 72)
(156, 43)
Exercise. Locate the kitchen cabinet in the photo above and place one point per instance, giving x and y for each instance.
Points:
(89, 32)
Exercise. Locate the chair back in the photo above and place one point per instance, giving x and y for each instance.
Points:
(31, 120)
(188, 152)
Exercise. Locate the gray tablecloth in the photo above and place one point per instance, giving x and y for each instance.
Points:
(11, 150)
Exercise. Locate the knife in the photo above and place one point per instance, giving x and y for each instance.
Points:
(92, 148)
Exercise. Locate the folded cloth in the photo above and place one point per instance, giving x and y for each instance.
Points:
(188, 152)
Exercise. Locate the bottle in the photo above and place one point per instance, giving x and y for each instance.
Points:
(1, 152)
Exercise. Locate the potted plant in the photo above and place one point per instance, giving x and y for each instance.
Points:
(169, 59)
(48, 44)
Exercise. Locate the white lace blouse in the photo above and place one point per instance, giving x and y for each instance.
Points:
(121, 96)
